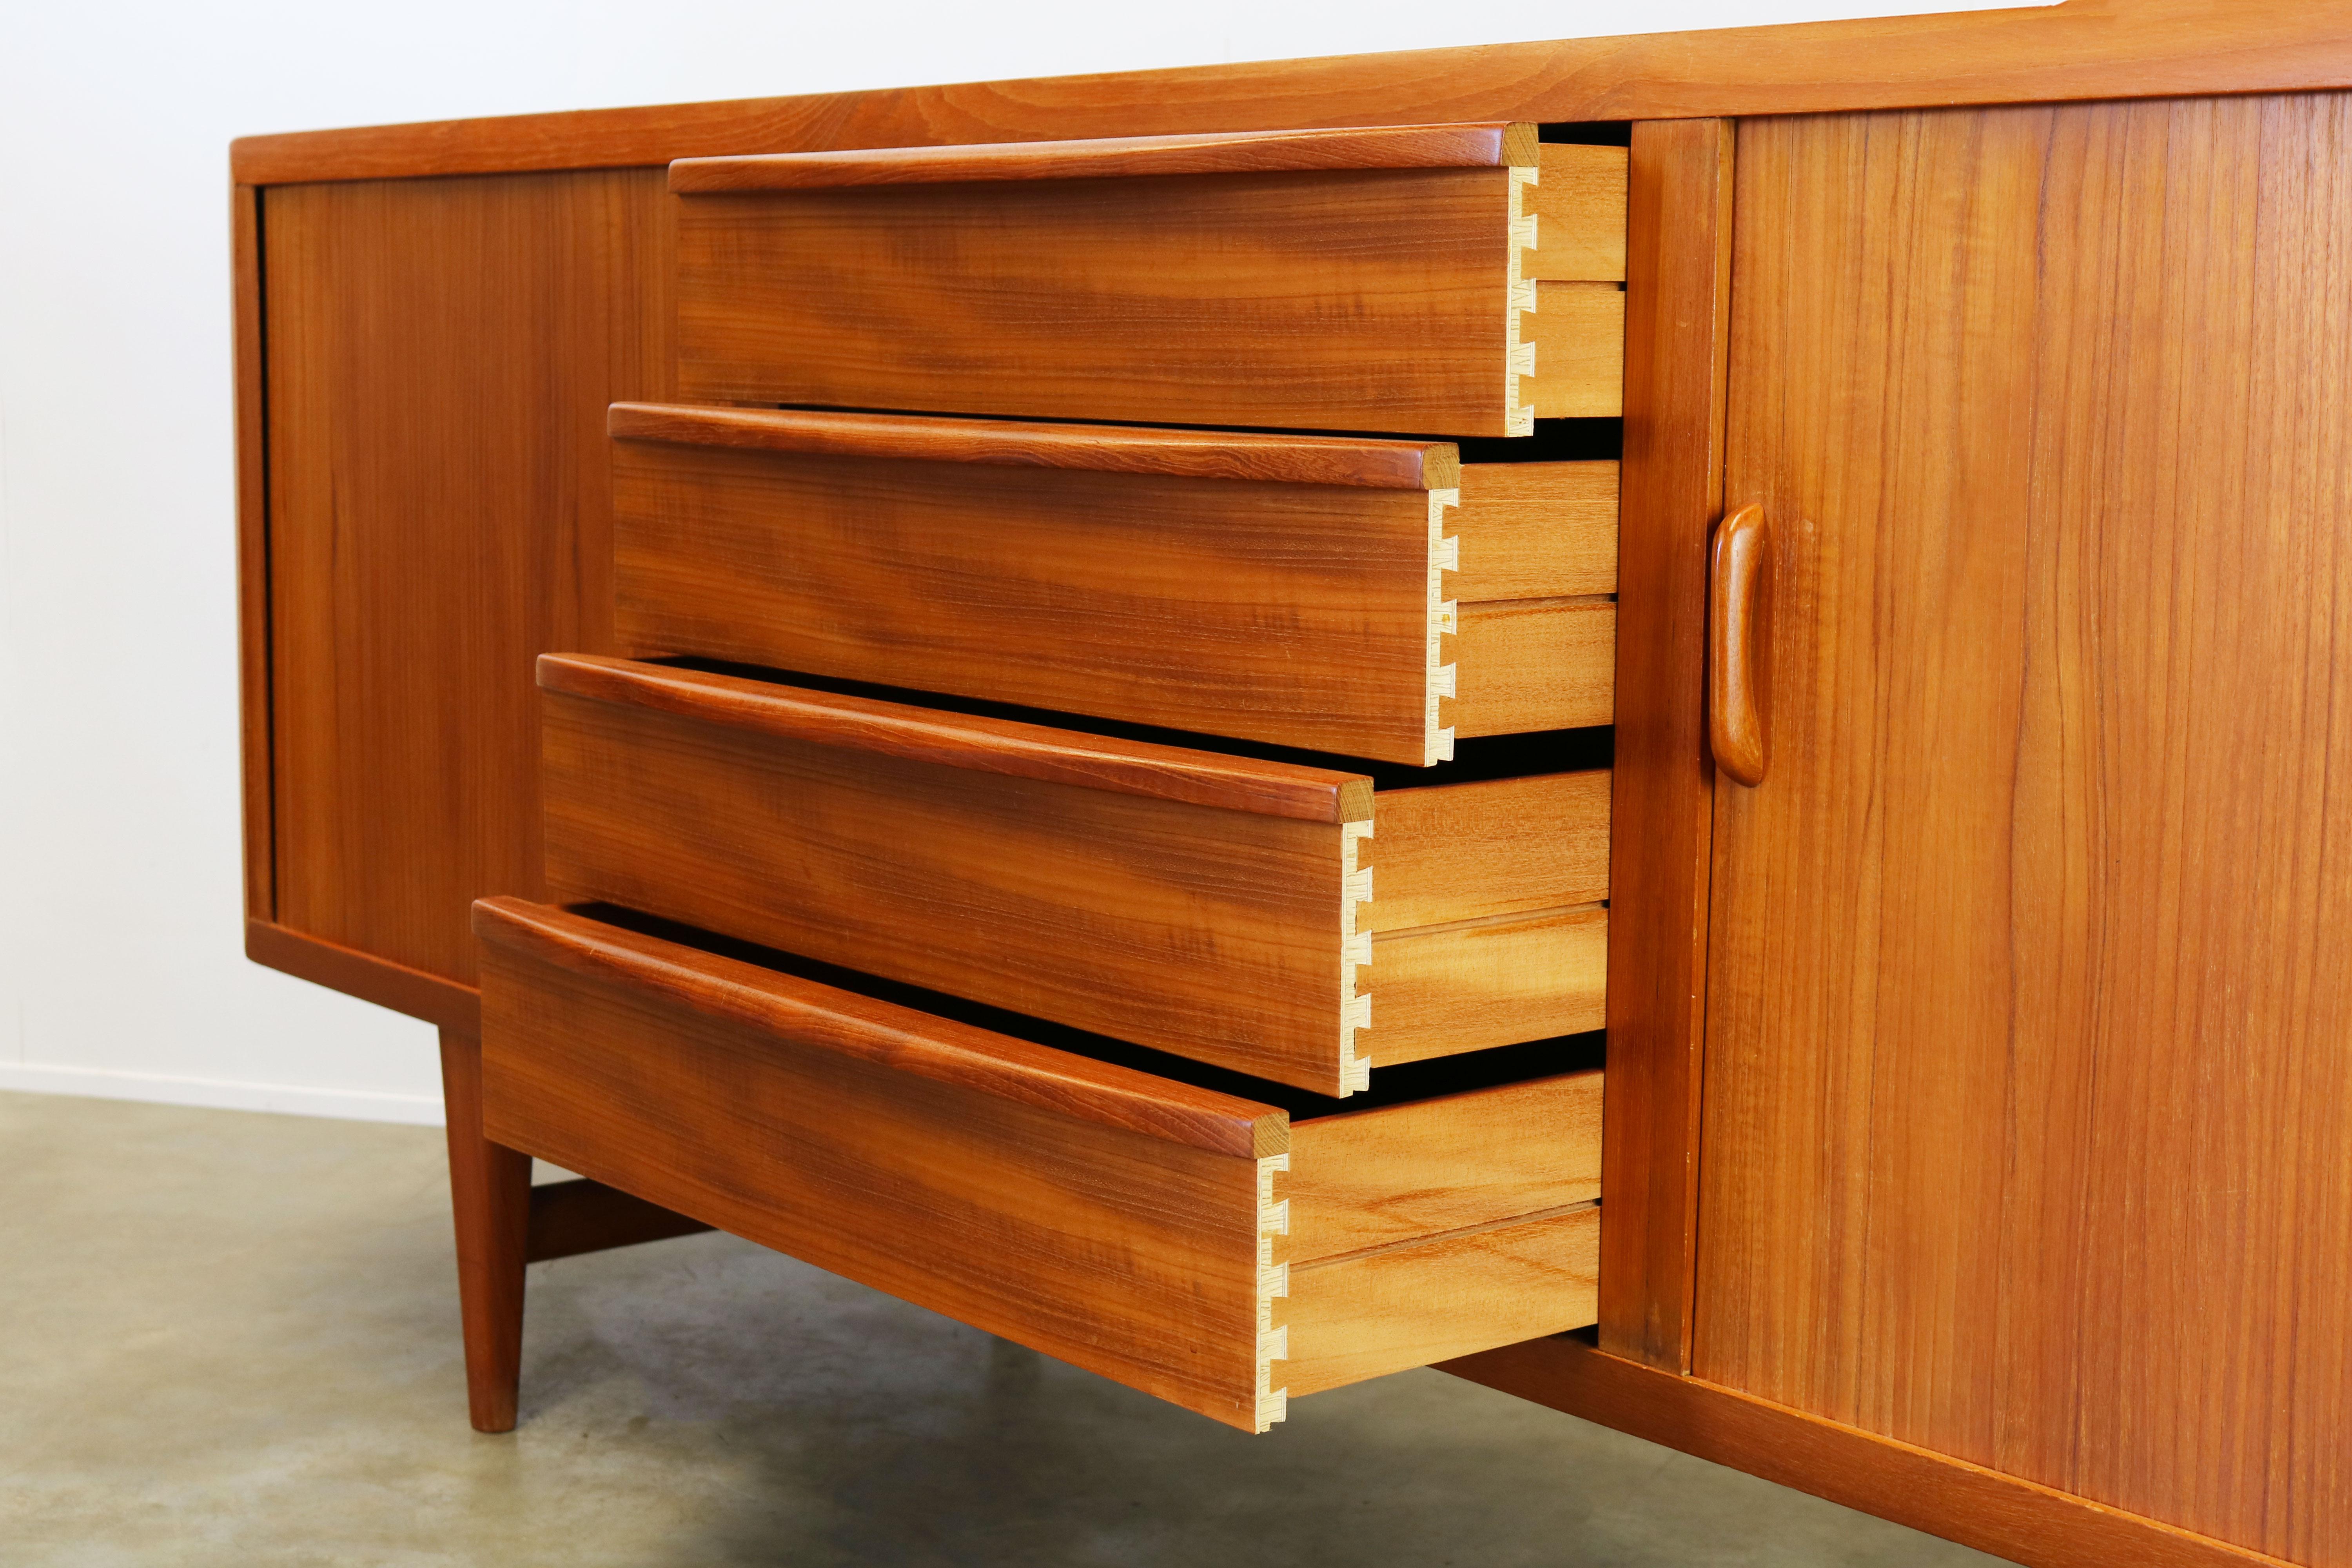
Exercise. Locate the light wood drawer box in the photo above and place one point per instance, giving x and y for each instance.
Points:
(1320, 592)
(1215, 906)
(1446, 280)
(1196, 1244)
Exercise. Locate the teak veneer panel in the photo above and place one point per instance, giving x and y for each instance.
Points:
(1475, 983)
(1376, 1178)
(1291, 589)
(1198, 903)
(1283, 292)
(439, 356)
(1129, 1224)
(2028, 1043)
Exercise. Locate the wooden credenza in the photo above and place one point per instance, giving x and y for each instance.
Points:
(1098, 703)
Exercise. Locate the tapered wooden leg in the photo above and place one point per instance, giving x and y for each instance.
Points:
(489, 1197)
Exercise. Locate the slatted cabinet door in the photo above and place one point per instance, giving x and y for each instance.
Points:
(1401, 277)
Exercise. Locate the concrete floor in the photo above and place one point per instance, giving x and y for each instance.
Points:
(232, 1339)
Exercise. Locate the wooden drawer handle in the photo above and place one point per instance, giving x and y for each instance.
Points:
(1735, 678)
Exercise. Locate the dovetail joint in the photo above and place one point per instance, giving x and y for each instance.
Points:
(1518, 358)
(1444, 555)
(1272, 1280)
(1355, 948)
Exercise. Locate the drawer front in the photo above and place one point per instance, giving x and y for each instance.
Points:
(1405, 278)
(1188, 1243)
(1217, 906)
(1295, 590)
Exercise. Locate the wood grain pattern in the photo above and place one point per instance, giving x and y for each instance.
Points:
(1127, 1223)
(1375, 1178)
(1463, 851)
(260, 838)
(1580, 205)
(1111, 573)
(1378, 1312)
(1545, 531)
(788, 1114)
(939, 1050)
(489, 1207)
(1445, 989)
(439, 356)
(1579, 331)
(2015, 1520)
(2028, 1079)
(1523, 664)
(2082, 49)
(1490, 146)
(1210, 932)
(1003, 747)
(1371, 299)
(1300, 459)
(1677, 293)
(1208, 924)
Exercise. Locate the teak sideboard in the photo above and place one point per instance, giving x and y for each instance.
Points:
(1664, 720)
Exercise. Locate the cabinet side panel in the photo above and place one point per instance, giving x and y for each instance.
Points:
(440, 355)
(2029, 1065)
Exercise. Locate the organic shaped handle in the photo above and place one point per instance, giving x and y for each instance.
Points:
(1734, 673)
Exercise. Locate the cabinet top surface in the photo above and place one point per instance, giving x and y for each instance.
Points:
(2080, 49)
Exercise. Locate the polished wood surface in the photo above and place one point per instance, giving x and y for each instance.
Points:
(1677, 292)
(1379, 1177)
(1055, 881)
(2028, 1075)
(1118, 573)
(440, 355)
(1737, 641)
(1463, 852)
(1003, 747)
(1209, 930)
(1020, 1192)
(260, 836)
(2082, 49)
(568, 1218)
(1545, 531)
(1578, 332)
(1474, 983)
(1580, 208)
(1397, 1307)
(1129, 1224)
(1298, 459)
(1362, 300)
(490, 1204)
(2012, 1519)
(1524, 665)
(1492, 146)
(854, 1028)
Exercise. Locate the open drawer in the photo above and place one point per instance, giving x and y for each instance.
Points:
(1219, 1251)
(1373, 598)
(1438, 279)
(1219, 906)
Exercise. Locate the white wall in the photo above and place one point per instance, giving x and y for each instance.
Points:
(122, 968)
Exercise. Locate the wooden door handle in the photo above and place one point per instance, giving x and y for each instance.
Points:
(1735, 675)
